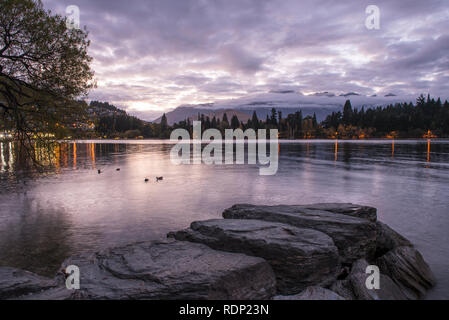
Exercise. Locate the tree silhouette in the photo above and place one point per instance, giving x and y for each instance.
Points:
(164, 123)
(347, 112)
(273, 119)
(44, 68)
(235, 123)
(225, 118)
(255, 121)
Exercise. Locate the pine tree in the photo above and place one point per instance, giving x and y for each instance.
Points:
(225, 118)
(255, 121)
(347, 113)
(421, 100)
(164, 123)
(235, 123)
(224, 122)
(273, 119)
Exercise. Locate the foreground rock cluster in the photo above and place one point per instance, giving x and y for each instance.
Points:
(298, 252)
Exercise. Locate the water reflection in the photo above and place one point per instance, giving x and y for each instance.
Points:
(6, 156)
(392, 148)
(36, 238)
(66, 155)
(336, 150)
(74, 155)
(70, 208)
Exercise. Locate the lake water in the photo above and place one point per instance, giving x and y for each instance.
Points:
(46, 217)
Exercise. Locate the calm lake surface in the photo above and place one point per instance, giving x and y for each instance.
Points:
(47, 217)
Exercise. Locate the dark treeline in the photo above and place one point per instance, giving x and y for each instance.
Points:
(111, 122)
(426, 118)
(291, 127)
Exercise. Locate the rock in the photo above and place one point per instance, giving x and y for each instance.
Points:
(349, 209)
(388, 239)
(16, 282)
(165, 270)
(59, 293)
(303, 247)
(359, 266)
(388, 290)
(407, 268)
(354, 286)
(354, 237)
(171, 270)
(299, 257)
(344, 289)
(312, 293)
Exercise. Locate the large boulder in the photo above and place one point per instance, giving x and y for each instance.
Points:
(252, 253)
(168, 270)
(355, 237)
(407, 268)
(299, 257)
(344, 289)
(312, 293)
(388, 290)
(16, 282)
(388, 239)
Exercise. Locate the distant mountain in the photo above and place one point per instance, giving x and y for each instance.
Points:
(181, 113)
(324, 94)
(220, 113)
(349, 94)
(286, 101)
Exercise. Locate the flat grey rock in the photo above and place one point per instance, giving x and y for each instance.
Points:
(299, 257)
(344, 289)
(355, 237)
(407, 268)
(15, 283)
(349, 209)
(168, 270)
(312, 293)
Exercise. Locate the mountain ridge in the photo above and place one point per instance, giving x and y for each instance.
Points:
(320, 103)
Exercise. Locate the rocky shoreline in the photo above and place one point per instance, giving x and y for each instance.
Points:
(285, 252)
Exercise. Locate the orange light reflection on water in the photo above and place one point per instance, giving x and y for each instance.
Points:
(336, 149)
(74, 155)
(392, 148)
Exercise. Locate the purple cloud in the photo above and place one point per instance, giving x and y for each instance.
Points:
(150, 56)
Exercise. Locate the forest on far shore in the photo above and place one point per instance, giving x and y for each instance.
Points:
(426, 118)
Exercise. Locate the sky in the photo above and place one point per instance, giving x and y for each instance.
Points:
(152, 56)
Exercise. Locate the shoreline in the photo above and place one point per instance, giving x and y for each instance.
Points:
(425, 140)
(256, 252)
(144, 141)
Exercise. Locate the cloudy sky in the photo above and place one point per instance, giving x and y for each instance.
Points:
(151, 56)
